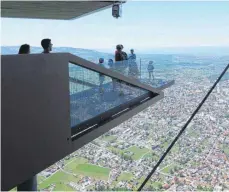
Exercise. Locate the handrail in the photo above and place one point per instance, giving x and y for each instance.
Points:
(113, 74)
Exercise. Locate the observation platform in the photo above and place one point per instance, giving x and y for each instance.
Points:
(60, 101)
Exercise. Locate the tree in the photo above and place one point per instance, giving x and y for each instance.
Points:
(176, 168)
(199, 187)
(172, 171)
(159, 186)
(151, 188)
(101, 188)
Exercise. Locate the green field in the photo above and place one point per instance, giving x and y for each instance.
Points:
(175, 148)
(92, 171)
(80, 166)
(72, 165)
(109, 138)
(66, 161)
(156, 184)
(148, 156)
(63, 187)
(168, 169)
(165, 145)
(115, 150)
(125, 177)
(138, 153)
(225, 149)
(77, 166)
(151, 156)
(40, 179)
(59, 179)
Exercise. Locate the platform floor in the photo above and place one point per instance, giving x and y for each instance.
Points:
(94, 101)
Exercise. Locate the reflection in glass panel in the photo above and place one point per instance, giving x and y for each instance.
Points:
(151, 71)
(92, 94)
(200, 158)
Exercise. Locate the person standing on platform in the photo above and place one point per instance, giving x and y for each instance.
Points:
(24, 49)
(133, 67)
(132, 55)
(125, 57)
(118, 53)
(150, 70)
(101, 76)
(119, 64)
(112, 67)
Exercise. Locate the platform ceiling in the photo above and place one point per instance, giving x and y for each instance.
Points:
(60, 10)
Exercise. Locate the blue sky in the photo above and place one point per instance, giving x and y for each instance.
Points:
(144, 25)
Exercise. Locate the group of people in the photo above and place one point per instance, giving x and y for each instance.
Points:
(45, 43)
(122, 62)
(120, 55)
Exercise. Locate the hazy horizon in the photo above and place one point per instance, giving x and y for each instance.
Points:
(154, 25)
(197, 50)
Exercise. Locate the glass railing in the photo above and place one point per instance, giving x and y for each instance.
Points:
(95, 96)
(122, 158)
(157, 75)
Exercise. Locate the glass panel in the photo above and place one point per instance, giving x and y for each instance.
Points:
(93, 93)
(200, 158)
(153, 71)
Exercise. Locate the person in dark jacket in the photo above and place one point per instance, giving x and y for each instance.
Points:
(118, 53)
(119, 65)
(124, 55)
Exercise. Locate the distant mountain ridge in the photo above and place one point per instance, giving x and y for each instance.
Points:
(93, 55)
(200, 50)
(84, 53)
